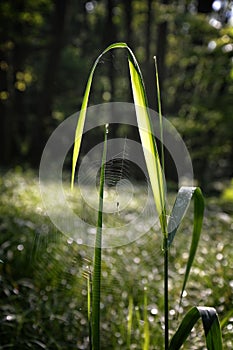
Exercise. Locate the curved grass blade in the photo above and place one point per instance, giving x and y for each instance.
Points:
(210, 324)
(96, 281)
(148, 142)
(180, 207)
(82, 116)
(144, 125)
(160, 112)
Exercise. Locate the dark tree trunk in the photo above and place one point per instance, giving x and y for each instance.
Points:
(5, 130)
(128, 10)
(161, 47)
(148, 30)
(161, 53)
(205, 6)
(18, 104)
(12, 109)
(47, 94)
(149, 66)
(110, 38)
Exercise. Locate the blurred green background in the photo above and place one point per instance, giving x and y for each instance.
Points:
(48, 47)
(46, 51)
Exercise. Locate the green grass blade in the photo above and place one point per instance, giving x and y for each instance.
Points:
(89, 307)
(96, 281)
(160, 113)
(180, 207)
(148, 142)
(163, 218)
(212, 328)
(130, 321)
(144, 125)
(82, 115)
(87, 276)
(184, 329)
(210, 324)
(146, 330)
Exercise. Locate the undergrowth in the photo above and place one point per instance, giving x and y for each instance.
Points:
(43, 292)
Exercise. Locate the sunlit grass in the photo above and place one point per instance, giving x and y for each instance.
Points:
(43, 292)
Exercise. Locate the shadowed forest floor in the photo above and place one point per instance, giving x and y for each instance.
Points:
(43, 302)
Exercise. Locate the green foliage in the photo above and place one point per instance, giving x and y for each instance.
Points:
(199, 92)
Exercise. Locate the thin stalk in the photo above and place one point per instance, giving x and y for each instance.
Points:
(163, 217)
(89, 298)
(130, 321)
(166, 301)
(97, 256)
(146, 331)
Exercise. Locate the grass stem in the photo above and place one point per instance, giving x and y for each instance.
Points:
(166, 303)
(163, 216)
(97, 256)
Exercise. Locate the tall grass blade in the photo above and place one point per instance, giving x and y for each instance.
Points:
(130, 321)
(96, 281)
(148, 142)
(160, 113)
(87, 276)
(164, 217)
(82, 115)
(146, 331)
(144, 125)
(180, 207)
(89, 307)
(210, 324)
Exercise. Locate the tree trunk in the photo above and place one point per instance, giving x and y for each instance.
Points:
(205, 6)
(110, 38)
(161, 53)
(128, 10)
(47, 94)
(5, 130)
(12, 108)
(149, 64)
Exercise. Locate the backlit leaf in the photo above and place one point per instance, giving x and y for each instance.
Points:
(210, 324)
(180, 207)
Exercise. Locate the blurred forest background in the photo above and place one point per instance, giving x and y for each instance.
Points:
(47, 48)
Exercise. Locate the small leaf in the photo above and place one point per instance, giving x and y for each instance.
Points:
(180, 207)
(210, 324)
